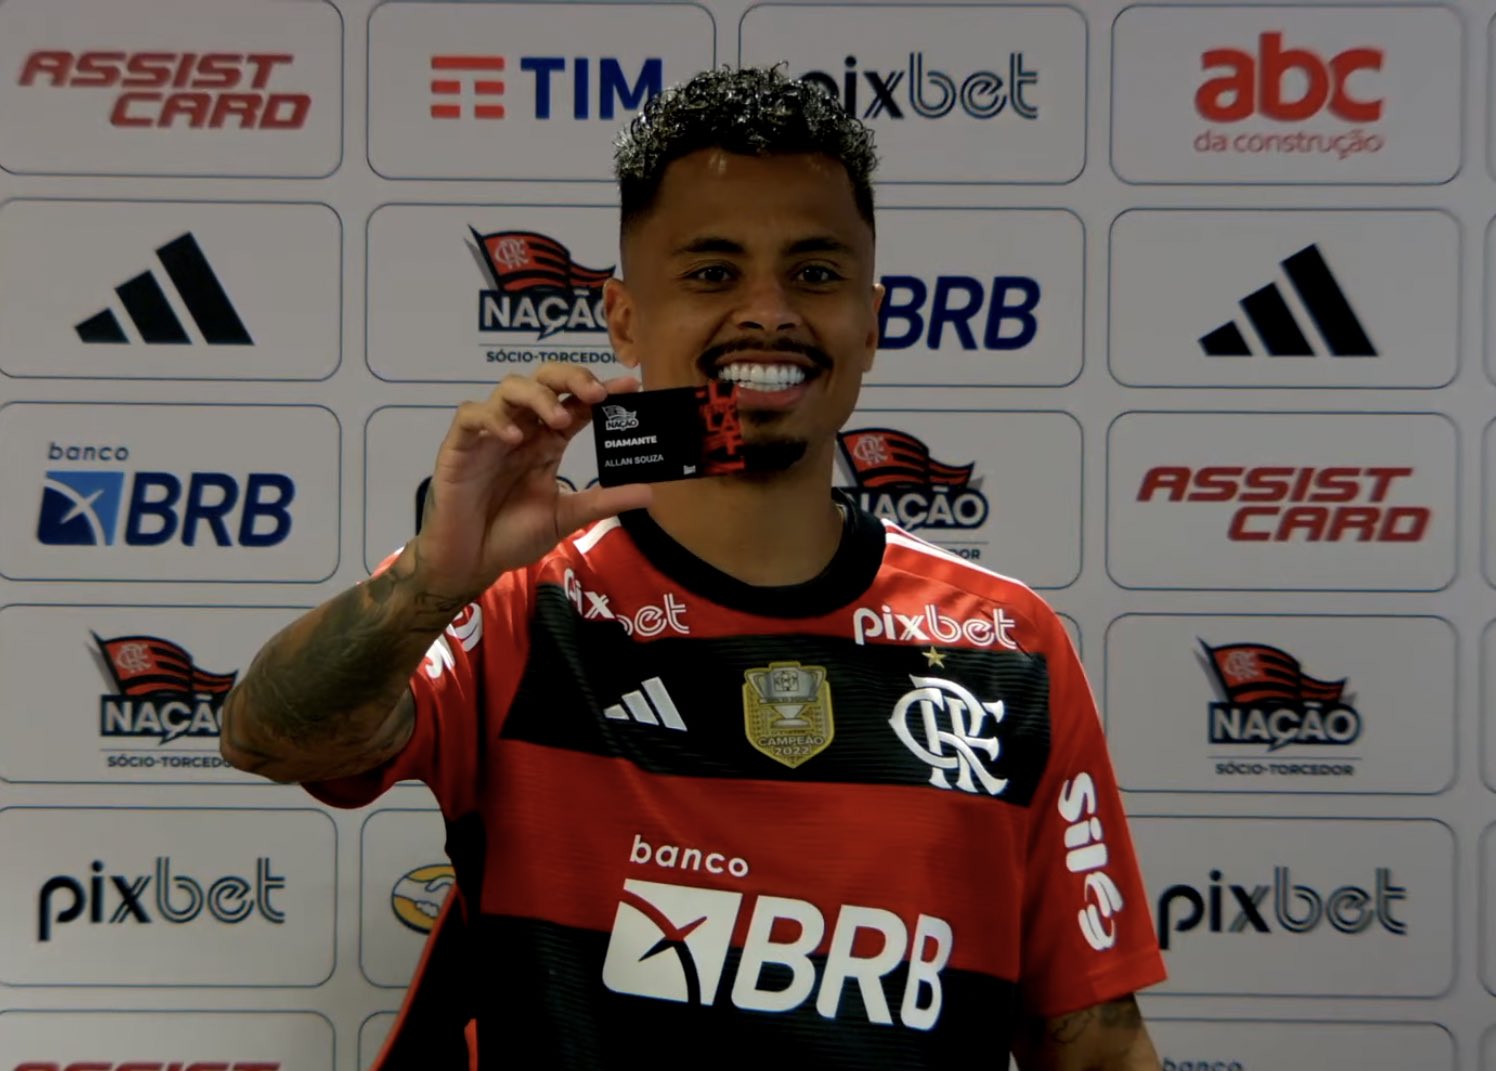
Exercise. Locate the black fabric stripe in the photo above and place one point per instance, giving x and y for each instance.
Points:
(548, 997)
(148, 307)
(578, 667)
(1225, 341)
(1274, 321)
(202, 293)
(101, 327)
(1327, 304)
(849, 574)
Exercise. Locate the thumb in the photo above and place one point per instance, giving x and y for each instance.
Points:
(581, 508)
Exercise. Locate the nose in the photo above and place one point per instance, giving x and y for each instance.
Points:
(768, 306)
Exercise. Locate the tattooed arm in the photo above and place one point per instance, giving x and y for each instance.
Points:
(328, 696)
(1104, 1037)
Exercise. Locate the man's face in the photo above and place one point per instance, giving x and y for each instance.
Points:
(760, 270)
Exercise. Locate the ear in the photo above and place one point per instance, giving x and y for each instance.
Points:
(618, 307)
(872, 330)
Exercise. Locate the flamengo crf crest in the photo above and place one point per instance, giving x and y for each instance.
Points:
(787, 711)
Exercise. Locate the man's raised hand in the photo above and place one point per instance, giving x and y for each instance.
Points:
(494, 503)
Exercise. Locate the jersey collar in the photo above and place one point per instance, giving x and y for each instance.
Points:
(846, 577)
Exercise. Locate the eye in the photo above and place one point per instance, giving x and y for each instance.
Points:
(818, 274)
(710, 273)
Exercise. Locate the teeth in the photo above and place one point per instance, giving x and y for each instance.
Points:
(774, 376)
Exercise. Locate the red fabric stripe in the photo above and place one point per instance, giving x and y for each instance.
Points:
(924, 851)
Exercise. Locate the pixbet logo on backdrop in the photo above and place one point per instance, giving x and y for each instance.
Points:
(167, 88)
(144, 508)
(1282, 906)
(1269, 703)
(918, 88)
(178, 899)
(1286, 503)
(540, 87)
(1289, 86)
(999, 318)
(896, 478)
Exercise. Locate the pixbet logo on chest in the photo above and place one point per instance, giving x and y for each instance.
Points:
(648, 621)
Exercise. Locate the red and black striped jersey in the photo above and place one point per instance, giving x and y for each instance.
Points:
(868, 820)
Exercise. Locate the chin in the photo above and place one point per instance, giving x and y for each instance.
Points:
(766, 457)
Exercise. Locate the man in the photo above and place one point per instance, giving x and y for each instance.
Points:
(737, 773)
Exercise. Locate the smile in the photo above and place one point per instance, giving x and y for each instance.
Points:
(776, 376)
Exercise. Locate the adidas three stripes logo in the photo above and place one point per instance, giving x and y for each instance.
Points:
(652, 706)
(1275, 323)
(147, 305)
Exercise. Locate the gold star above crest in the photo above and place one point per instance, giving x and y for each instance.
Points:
(934, 658)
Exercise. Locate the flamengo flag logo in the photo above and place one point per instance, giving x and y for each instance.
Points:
(150, 311)
(670, 941)
(1276, 325)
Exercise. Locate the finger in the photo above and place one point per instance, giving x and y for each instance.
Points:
(581, 508)
(519, 396)
(623, 384)
(567, 378)
(475, 421)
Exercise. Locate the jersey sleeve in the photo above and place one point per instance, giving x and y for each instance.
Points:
(1087, 934)
(467, 678)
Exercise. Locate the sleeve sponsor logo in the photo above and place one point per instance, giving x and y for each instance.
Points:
(196, 90)
(466, 630)
(1086, 854)
(1281, 906)
(671, 942)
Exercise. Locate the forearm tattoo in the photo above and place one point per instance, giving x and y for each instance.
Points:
(331, 680)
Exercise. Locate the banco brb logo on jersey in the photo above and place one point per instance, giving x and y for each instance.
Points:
(671, 942)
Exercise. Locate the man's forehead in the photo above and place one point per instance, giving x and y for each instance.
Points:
(767, 203)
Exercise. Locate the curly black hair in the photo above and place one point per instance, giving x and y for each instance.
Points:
(755, 111)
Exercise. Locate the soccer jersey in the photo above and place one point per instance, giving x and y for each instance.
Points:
(867, 820)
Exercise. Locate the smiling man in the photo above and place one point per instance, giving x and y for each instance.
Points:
(732, 770)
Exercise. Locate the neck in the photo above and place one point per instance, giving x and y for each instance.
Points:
(768, 531)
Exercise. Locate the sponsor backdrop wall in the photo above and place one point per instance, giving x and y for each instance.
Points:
(1186, 326)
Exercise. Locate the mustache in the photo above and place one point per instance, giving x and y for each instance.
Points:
(712, 354)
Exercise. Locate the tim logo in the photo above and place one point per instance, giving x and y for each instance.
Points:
(158, 691)
(1269, 701)
(446, 90)
(896, 478)
(537, 287)
(549, 98)
(943, 724)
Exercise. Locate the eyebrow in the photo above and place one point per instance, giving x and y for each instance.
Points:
(821, 243)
